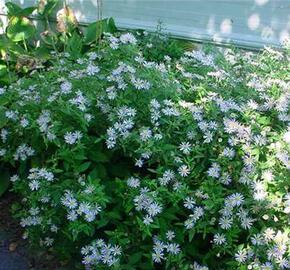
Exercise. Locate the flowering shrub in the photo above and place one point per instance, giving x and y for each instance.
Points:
(127, 163)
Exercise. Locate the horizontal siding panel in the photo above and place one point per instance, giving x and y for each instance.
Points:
(244, 22)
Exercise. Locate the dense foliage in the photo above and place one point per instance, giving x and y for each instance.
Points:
(29, 36)
(129, 163)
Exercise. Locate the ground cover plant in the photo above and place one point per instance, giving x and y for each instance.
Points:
(126, 162)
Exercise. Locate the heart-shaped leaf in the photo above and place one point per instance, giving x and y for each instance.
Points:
(19, 29)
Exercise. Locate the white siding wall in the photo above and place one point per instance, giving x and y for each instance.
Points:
(243, 22)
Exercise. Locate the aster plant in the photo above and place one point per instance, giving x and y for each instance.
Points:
(128, 163)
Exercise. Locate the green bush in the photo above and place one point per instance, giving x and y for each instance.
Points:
(127, 163)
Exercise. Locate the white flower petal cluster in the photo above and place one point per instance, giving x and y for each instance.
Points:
(194, 149)
(98, 252)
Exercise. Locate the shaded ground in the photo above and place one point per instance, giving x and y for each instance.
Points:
(14, 251)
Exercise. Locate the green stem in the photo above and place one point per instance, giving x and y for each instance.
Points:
(25, 45)
(53, 42)
(7, 58)
(8, 69)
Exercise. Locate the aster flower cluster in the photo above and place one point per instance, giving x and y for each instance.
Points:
(72, 137)
(176, 162)
(272, 245)
(160, 248)
(122, 127)
(44, 122)
(23, 152)
(36, 176)
(197, 212)
(145, 202)
(77, 208)
(98, 252)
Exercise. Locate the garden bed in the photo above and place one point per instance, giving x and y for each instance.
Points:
(140, 153)
(15, 252)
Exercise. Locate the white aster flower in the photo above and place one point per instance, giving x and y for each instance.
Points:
(183, 170)
(241, 256)
(133, 182)
(170, 235)
(219, 239)
(128, 38)
(185, 147)
(72, 137)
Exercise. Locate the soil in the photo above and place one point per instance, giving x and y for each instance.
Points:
(15, 253)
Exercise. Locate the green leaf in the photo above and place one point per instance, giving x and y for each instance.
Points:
(42, 53)
(84, 167)
(7, 46)
(19, 29)
(15, 10)
(3, 101)
(191, 235)
(98, 156)
(3, 70)
(74, 46)
(6, 78)
(48, 37)
(112, 26)
(91, 33)
(102, 223)
(4, 181)
(3, 119)
(26, 12)
(99, 171)
(95, 30)
(45, 8)
(135, 258)
(119, 169)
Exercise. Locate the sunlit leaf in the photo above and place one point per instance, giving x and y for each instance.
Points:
(19, 29)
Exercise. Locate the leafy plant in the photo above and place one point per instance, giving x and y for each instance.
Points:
(24, 49)
(158, 44)
(128, 161)
(95, 30)
(20, 29)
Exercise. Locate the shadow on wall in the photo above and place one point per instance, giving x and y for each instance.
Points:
(245, 22)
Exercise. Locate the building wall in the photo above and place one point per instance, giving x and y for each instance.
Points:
(252, 23)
